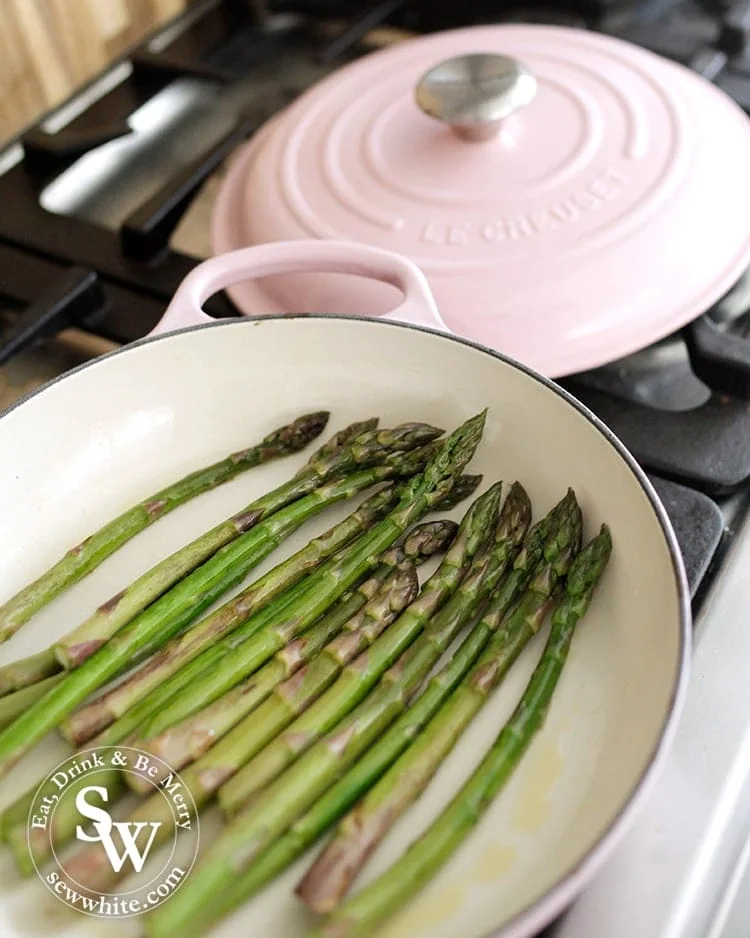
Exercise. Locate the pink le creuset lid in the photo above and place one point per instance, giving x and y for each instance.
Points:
(570, 197)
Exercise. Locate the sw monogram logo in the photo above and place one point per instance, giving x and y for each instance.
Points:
(110, 862)
(127, 832)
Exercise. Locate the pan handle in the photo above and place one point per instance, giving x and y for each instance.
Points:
(264, 260)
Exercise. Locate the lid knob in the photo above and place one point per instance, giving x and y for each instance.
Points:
(475, 93)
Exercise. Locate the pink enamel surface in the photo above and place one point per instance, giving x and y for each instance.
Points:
(417, 304)
(607, 213)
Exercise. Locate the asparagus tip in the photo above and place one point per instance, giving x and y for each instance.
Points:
(429, 538)
(305, 429)
(516, 513)
(589, 565)
(463, 488)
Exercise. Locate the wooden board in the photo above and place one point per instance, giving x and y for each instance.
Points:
(50, 47)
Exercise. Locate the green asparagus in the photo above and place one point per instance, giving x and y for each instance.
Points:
(324, 587)
(13, 705)
(26, 671)
(361, 915)
(331, 875)
(86, 556)
(339, 440)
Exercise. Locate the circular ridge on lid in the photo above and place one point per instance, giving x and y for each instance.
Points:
(606, 213)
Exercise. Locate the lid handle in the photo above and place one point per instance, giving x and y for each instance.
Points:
(475, 93)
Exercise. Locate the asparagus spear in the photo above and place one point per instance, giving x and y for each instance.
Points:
(366, 450)
(397, 684)
(86, 556)
(227, 662)
(463, 488)
(362, 914)
(324, 587)
(90, 719)
(25, 671)
(330, 877)
(92, 867)
(188, 740)
(13, 705)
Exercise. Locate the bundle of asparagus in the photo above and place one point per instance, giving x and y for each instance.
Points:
(164, 618)
(308, 695)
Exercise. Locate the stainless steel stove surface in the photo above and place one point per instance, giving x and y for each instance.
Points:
(107, 205)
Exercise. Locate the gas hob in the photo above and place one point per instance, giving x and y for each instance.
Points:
(106, 207)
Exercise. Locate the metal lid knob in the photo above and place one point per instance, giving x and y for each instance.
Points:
(475, 93)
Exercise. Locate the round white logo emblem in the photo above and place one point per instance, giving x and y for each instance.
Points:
(102, 851)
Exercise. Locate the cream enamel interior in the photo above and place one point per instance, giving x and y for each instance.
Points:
(91, 444)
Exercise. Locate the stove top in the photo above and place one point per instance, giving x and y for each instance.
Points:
(106, 207)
